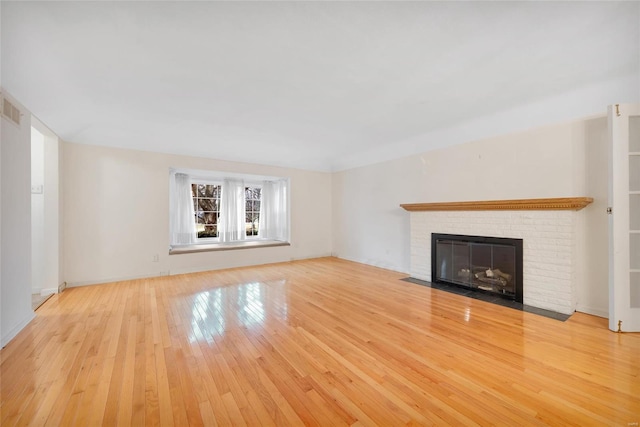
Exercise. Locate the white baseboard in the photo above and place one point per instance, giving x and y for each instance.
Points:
(202, 269)
(112, 280)
(384, 266)
(187, 270)
(16, 330)
(48, 291)
(593, 311)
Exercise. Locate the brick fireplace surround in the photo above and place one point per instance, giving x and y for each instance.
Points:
(547, 227)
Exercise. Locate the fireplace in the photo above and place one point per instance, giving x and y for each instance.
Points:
(484, 264)
(550, 242)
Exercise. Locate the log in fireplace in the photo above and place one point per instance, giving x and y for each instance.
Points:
(484, 264)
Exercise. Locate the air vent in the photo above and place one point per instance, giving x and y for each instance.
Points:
(10, 111)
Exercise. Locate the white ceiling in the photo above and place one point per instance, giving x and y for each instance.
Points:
(314, 85)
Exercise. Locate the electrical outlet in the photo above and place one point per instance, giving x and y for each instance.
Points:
(156, 258)
(37, 189)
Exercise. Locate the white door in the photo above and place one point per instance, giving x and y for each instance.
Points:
(624, 221)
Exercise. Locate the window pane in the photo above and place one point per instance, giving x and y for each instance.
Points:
(206, 197)
(209, 218)
(634, 212)
(634, 282)
(634, 173)
(634, 251)
(206, 204)
(252, 193)
(634, 133)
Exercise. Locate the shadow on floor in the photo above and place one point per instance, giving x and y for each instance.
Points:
(37, 300)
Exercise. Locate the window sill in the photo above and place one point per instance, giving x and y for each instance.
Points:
(187, 249)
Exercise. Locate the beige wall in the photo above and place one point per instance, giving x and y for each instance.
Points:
(116, 215)
(15, 225)
(555, 161)
(46, 250)
(116, 204)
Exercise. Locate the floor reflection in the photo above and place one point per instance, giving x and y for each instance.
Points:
(247, 305)
(250, 304)
(207, 319)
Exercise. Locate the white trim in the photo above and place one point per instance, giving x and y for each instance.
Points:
(592, 311)
(226, 246)
(209, 175)
(373, 263)
(16, 330)
(115, 280)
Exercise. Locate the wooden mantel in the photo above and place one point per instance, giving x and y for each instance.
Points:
(561, 203)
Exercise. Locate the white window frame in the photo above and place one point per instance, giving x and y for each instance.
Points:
(207, 239)
(253, 185)
(213, 243)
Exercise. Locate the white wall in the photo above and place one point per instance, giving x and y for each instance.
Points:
(53, 275)
(37, 211)
(554, 161)
(116, 215)
(15, 225)
(45, 210)
(2, 340)
(592, 246)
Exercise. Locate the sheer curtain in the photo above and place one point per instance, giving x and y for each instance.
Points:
(232, 211)
(183, 226)
(274, 206)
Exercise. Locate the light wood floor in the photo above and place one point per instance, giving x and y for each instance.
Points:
(319, 342)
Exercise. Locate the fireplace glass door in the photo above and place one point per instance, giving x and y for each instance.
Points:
(476, 263)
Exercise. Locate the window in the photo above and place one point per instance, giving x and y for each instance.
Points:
(217, 211)
(252, 210)
(206, 205)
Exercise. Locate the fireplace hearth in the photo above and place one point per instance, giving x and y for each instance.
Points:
(480, 263)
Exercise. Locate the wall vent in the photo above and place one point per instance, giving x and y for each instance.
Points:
(10, 111)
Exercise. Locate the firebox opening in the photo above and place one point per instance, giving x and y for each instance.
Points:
(484, 264)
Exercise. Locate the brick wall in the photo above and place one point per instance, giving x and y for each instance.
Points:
(548, 248)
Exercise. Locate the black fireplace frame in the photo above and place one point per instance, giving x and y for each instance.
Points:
(515, 243)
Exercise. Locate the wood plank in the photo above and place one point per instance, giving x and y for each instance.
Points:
(315, 342)
(549, 204)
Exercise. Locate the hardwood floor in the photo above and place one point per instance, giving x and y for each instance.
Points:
(317, 342)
